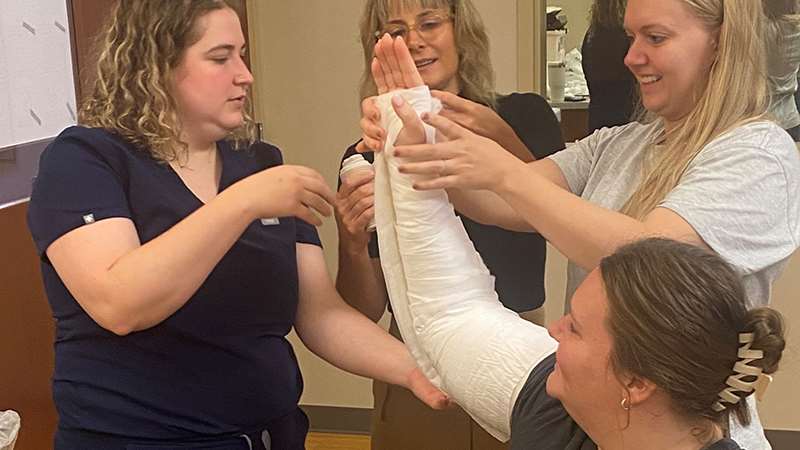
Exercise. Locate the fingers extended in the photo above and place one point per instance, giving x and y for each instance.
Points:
(379, 76)
(423, 152)
(447, 127)
(382, 51)
(408, 70)
(391, 59)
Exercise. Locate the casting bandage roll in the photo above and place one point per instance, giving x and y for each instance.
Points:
(442, 294)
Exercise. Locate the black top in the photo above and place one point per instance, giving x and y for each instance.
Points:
(612, 87)
(540, 422)
(220, 365)
(516, 259)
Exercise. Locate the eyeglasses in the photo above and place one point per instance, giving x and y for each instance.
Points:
(428, 27)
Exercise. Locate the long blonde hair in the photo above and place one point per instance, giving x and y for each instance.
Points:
(735, 93)
(142, 43)
(475, 74)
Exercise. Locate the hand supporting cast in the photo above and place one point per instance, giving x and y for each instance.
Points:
(461, 158)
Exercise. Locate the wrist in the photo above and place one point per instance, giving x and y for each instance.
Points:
(513, 178)
(236, 195)
(353, 248)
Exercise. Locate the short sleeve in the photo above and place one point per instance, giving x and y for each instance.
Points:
(307, 233)
(581, 159)
(540, 421)
(534, 122)
(80, 181)
(577, 159)
(740, 195)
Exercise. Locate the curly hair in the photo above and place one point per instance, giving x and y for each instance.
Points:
(475, 74)
(141, 44)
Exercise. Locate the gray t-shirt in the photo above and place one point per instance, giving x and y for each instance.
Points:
(741, 195)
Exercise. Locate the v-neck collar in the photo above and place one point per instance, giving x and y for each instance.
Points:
(221, 184)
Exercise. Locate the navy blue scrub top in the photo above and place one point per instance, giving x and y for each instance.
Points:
(221, 363)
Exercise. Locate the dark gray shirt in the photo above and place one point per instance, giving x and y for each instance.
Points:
(540, 421)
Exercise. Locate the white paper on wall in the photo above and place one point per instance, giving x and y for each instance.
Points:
(37, 92)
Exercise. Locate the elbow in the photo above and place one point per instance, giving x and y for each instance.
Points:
(109, 313)
(115, 322)
(120, 328)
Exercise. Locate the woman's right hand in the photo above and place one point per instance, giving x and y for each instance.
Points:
(285, 191)
(355, 208)
(372, 135)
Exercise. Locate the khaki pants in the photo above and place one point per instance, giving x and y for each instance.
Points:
(401, 422)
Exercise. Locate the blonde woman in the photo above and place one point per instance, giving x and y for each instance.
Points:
(175, 265)
(707, 168)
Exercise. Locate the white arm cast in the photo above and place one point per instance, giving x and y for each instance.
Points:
(443, 295)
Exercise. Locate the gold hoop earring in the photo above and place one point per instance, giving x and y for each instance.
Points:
(624, 404)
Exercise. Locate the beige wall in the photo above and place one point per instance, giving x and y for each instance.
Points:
(307, 62)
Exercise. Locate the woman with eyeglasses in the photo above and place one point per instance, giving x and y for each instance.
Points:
(450, 48)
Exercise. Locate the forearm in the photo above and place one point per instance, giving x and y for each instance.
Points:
(582, 231)
(351, 342)
(154, 280)
(487, 208)
(359, 284)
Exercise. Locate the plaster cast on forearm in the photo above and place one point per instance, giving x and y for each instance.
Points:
(443, 295)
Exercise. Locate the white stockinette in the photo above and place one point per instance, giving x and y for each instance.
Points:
(464, 340)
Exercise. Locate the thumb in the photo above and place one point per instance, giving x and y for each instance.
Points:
(413, 128)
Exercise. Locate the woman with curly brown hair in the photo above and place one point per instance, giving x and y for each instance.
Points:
(175, 265)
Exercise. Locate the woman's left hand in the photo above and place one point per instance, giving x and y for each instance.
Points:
(482, 120)
(473, 116)
(424, 390)
(465, 161)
